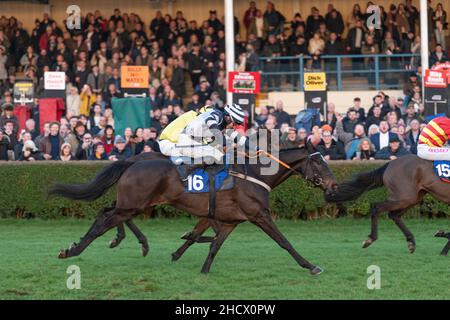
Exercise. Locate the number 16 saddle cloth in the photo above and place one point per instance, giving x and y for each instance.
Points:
(199, 180)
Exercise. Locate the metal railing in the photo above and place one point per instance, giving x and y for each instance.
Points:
(344, 72)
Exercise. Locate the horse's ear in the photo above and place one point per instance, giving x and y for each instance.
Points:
(310, 147)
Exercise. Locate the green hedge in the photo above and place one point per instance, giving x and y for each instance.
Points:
(23, 194)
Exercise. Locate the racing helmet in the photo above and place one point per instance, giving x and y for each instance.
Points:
(235, 112)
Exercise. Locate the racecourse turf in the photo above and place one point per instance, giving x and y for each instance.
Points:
(249, 266)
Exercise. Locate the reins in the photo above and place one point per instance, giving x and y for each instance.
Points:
(271, 156)
(284, 164)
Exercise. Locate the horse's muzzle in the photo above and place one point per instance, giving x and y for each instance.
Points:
(331, 191)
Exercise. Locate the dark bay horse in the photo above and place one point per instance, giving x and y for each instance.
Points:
(147, 183)
(407, 179)
(195, 236)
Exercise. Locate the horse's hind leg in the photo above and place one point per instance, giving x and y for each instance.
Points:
(387, 206)
(102, 224)
(396, 217)
(119, 236)
(224, 232)
(201, 226)
(373, 236)
(140, 236)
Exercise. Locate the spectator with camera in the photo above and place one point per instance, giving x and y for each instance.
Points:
(85, 148)
(30, 152)
(18, 148)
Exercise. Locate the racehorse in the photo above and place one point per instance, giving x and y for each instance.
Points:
(195, 236)
(147, 183)
(408, 179)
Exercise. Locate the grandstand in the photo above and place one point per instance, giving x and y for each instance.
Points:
(373, 73)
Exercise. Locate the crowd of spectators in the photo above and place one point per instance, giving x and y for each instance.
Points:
(388, 130)
(172, 47)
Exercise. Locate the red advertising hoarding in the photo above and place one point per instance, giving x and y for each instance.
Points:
(244, 82)
(435, 79)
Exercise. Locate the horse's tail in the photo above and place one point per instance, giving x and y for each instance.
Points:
(351, 190)
(95, 188)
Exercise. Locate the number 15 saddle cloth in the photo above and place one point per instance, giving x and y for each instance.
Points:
(442, 170)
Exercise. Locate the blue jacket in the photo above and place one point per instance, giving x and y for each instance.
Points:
(376, 139)
(125, 154)
(386, 152)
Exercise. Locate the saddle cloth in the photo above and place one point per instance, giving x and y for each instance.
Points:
(442, 170)
(198, 181)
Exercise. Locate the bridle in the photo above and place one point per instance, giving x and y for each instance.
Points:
(316, 179)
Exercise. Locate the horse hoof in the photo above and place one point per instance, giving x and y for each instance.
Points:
(411, 247)
(63, 254)
(144, 251)
(175, 257)
(367, 243)
(187, 236)
(440, 233)
(316, 271)
(113, 243)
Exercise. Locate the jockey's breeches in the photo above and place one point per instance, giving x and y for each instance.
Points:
(433, 153)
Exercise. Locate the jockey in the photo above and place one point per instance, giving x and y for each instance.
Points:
(432, 140)
(169, 136)
(196, 141)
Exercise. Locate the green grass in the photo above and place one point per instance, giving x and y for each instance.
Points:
(249, 265)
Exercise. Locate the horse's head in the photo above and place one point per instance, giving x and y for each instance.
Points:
(316, 170)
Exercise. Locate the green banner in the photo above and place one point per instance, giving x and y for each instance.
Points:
(130, 113)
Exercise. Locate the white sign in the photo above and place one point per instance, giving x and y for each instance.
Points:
(55, 81)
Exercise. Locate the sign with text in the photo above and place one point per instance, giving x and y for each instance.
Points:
(23, 92)
(437, 90)
(435, 79)
(134, 77)
(55, 80)
(244, 82)
(315, 81)
(444, 66)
